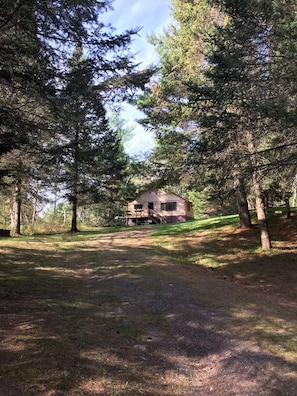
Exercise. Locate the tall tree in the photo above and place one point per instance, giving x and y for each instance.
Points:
(19, 181)
(183, 53)
(241, 110)
(87, 151)
(236, 76)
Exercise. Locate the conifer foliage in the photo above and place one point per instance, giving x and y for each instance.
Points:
(233, 100)
(60, 65)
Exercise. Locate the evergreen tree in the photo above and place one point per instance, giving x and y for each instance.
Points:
(175, 121)
(242, 112)
(244, 90)
(20, 182)
(88, 153)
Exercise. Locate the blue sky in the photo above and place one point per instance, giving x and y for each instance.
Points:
(152, 16)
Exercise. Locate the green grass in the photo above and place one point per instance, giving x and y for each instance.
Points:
(206, 225)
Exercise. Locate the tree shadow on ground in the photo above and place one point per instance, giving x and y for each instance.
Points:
(110, 319)
(235, 257)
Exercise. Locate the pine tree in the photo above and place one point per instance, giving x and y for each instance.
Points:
(25, 77)
(87, 151)
(240, 106)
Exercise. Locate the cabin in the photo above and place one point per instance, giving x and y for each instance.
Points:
(158, 207)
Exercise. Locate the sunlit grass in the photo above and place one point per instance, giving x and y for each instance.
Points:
(273, 334)
(207, 225)
(217, 242)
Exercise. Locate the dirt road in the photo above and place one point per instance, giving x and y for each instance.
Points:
(132, 322)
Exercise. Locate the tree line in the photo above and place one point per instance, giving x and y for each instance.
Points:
(223, 104)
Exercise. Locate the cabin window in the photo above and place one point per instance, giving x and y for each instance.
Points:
(138, 207)
(168, 206)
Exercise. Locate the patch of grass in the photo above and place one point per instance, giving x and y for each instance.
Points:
(84, 234)
(275, 335)
(219, 243)
(196, 226)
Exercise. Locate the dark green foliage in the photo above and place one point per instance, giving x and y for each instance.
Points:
(89, 155)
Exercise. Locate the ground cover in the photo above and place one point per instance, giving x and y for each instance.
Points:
(190, 309)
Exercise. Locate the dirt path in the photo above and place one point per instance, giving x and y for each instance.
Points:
(148, 326)
(176, 310)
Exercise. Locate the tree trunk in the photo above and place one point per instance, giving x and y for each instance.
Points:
(241, 202)
(294, 192)
(260, 207)
(34, 212)
(288, 208)
(16, 211)
(74, 215)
